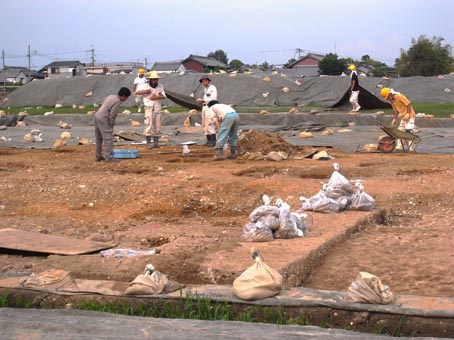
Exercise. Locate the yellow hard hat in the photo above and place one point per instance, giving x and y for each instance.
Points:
(141, 71)
(153, 75)
(352, 67)
(385, 92)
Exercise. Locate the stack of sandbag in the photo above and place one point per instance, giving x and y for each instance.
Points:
(151, 282)
(259, 281)
(368, 288)
(268, 222)
(361, 200)
(321, 202)
(337, 195)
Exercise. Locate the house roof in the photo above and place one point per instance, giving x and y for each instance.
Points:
(307, 56)
(205, 61)
(60, 63)
(167, 65)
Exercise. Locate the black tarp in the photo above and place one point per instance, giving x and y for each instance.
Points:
(183, 100)
(366, 99)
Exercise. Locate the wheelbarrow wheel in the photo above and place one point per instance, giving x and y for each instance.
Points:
(387, 144)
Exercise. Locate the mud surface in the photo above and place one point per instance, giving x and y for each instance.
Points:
(193, 210)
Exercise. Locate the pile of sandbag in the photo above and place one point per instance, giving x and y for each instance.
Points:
(338, 195)
(268, 222)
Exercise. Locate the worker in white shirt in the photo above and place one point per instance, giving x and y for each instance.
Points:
(139, 81)
(229, 122)
(209, 93)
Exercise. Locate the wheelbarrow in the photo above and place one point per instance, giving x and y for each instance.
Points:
(388, 143)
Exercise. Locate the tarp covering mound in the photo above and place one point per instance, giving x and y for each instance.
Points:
(237, 89)
(366, 99)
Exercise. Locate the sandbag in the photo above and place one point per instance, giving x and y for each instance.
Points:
(257, 282)
(257, 232)
(51, 278)
(146, 284)
(368, 288)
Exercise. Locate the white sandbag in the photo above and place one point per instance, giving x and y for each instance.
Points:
(257, 232)
(287, 225)
(259, 281)
(263, 210)
(361, 200)
(368, 288)
(338, 186)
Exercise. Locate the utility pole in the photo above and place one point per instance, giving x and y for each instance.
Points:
(4, 71)
(29, 62)
(92, 56)
(146, 63)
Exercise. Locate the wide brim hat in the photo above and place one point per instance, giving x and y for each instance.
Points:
(204, 77)
(153, 75)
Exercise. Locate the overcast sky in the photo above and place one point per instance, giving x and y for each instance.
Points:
(252, 31)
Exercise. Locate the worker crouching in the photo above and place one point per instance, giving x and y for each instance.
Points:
(229, 121)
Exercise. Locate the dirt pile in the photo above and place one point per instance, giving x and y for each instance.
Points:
(264, 142)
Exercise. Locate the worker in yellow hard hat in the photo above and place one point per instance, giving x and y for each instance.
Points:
(401, 106)
(354, 88)
(139, 81)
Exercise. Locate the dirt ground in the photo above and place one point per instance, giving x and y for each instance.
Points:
(193, 210)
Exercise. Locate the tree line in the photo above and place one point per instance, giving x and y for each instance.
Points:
(425, 57)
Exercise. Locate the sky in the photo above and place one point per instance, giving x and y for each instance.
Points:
(252, 31)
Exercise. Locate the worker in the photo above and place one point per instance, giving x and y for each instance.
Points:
(401, 106)
(209, 93)
(229, 121)
(104, 124)
(152, 93)
(139, 81)
(354, 88)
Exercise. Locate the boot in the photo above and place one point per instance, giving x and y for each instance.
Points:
(218, 156)
(149, 145)
(156, 141)
(208, 140)
(213, 139)
(233, 154)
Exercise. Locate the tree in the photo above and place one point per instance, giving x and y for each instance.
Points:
(219, 55)
(289, 62)
(332, 65)
(265, 66)
(236, 64)
(426, 57)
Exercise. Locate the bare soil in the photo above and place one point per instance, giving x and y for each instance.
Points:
(193, 210)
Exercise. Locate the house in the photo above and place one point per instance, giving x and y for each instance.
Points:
(62, 69)
(306, 66)
(18, 75)
(201, 64)
(169, 66)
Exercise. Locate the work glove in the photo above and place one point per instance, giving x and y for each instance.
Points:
(393, 122)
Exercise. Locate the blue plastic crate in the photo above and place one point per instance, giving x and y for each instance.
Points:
(126, 153)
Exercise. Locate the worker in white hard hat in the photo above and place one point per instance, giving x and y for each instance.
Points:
(354, 88)
(209, 93)
(152, 93)
(139, 81)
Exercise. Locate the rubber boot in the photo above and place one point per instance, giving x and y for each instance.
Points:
(156, 141)
(218, 156)
(213, 139)
(208, 140)
(149, 145)
(233, 154)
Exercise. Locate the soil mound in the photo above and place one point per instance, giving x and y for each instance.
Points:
(265, 142)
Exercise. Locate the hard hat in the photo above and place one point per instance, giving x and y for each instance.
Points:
(204, 77)
(385, 92)
(141, 71)
(153, 75)
(352, 67)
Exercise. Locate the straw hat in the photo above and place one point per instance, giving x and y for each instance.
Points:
(153, 75)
